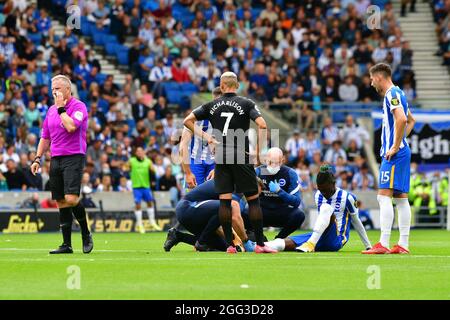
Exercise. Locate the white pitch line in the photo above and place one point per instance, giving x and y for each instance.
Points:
(327, 255)
(203, 257)
(167, 259)
(49, 249)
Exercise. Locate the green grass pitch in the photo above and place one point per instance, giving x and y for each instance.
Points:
(134, 266)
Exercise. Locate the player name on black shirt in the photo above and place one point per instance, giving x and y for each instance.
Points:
(233, 104)
(230, 117)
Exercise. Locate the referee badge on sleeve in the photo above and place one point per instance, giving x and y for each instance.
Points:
(78, 115)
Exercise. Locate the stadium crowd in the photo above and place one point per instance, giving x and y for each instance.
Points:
(287, 55)
(441, 10)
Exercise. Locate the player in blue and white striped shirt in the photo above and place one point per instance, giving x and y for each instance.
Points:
(199, 167)
(396, 160)
(331, 230)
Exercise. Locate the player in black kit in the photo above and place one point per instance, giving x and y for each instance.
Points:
(230, 117)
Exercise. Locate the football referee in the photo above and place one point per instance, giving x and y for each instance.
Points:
(230, 117)
(64, 131)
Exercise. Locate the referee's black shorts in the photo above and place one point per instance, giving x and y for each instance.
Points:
(65, 175)
(240, 178)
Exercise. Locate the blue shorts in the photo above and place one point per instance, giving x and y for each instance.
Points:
(142, 194)
(201, 170)
(329, 241)
(395, 173)
(194, 216)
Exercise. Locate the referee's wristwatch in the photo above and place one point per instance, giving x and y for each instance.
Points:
(61, 110)
(37, 160)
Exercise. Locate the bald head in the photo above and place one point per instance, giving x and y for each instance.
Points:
(275, 156)
(274, 160)
(229, 82)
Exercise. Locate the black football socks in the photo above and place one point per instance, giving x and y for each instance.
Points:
(256, 218)
(80, 214)
(65, 218)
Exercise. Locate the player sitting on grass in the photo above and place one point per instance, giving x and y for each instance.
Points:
(331, 230)
(198, 212)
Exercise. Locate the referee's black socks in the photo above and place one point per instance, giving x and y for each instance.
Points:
(256, 219)
(225, 219)
(65, 218)
(80, 214)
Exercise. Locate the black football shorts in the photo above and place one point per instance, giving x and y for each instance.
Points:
(65, 175)
(240, 178)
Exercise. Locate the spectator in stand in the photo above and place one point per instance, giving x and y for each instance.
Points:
(330, 133)
(340, 165)
(352, 131)
(100, 16)
(259, 78)
(380, 52)
(169, 125)
(282, 100)
(342, 181)
(330, 91)
(109, 91)
(32, 116)
(307, 46)
(124, 185)
(44, 23)
(343, 53)
(410, 93)
(220, 43)
(260, 96)
(304, 177)
(15, 178)
(348, 91)
(106, 184)
(161, 108)
(353, 152)
(168, 183)
(33, 182)
(362, 53)
(311, 145)
(304, 108)
(179, 74)
(10, 154)
(351, 68)
(301, 157)
(363, 180)
(95, 150)
(334, 152)
(293, 145)
(269, 13)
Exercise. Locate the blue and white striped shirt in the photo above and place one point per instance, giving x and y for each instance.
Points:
(343, 204)
(393, 99)
(199, 149)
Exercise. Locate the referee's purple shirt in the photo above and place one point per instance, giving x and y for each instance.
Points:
(62, 142)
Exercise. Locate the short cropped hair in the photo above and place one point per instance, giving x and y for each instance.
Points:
(325, 175)
(217, 92)
(64, 78)
(382, 68)
(229, 79)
